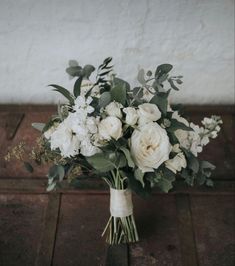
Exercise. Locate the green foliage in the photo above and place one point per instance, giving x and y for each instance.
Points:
(77, 86)
(108, 161)
(139, 175)
(118, 93)
(175, 125)
(105, 99)
(130, 161)
(64, 92)
(160, 99)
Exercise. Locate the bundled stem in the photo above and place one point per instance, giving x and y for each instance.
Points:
(120, 229)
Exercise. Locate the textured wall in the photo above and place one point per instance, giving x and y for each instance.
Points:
(37, 38)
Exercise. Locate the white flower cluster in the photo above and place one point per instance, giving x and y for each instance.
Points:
(200, 136)
(76, 133)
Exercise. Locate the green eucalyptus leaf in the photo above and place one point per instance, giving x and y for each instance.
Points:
(141, 77)
(209, 183)
(64, 92)
(38, 126)
(87, 70)
(102, 162)
(175, 125)
(160, 99)
(74, 71)
(128, 157)
(73, 63)
(105, 99)
(118, 94)
(139, 175)
(172, 84)
(163, 69)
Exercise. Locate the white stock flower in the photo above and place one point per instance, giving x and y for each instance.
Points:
(148, 112)
(82, 104)
(114, 109)
(64, 139)
(131, 115)
(150, 146)
(110, 127)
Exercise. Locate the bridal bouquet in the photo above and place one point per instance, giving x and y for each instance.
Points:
(132, 138)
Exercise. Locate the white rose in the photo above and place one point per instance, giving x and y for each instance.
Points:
(148, 112)
(177, 163)
(114, 109)
(131, 116)
(150, 146)
(110, 127)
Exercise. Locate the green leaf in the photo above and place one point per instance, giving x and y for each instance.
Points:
(139, 175)
(73, 63)
(38, 126)
(173, 85)
(105, 99)
(165, 185)
(141, 78)
(163, 69)
(175, 125)
(207, 165)
(119, 90)
(209, 183)
(74, 71)
(102, 162)
(28, 167)
(160, 99)
(77, 87)
(128, 157)
(136, 185)
(64, 92)
(51, 186)
(87, 70)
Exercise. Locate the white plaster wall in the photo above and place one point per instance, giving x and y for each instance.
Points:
(38, 37)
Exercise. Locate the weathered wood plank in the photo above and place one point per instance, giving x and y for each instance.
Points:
(214, 220)
(46, 248)
(21, 224)
(117, 255)
(157, 226)
(23, 185)
(81, 222)
(186, 233)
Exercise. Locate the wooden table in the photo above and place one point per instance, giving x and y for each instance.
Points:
(188, 226)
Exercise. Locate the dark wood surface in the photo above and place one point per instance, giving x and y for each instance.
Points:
(187, 227)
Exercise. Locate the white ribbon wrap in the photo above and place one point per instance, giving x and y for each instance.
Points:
(121, 202)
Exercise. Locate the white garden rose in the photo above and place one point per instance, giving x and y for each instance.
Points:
(177, 163)
(150, 146)
(114, 109)
(110, 127)
(131, 115)
(148, 112)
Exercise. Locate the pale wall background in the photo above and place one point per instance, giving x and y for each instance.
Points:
(38, 37)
